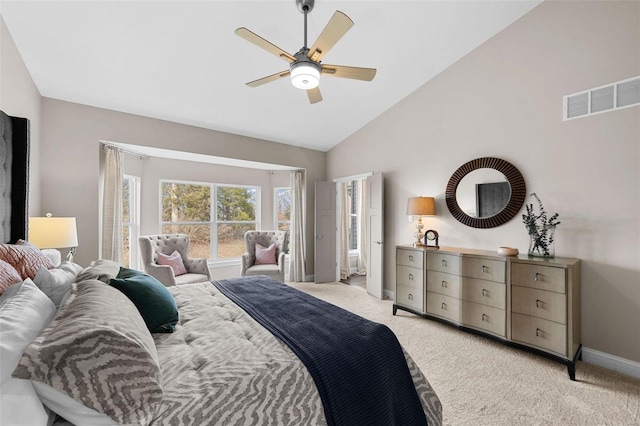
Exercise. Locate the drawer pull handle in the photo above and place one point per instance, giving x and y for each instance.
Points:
(410, 258)
(484, 291)
(444, 284)
(538, 302)
(410, 296)
(538, 332)
(411, 277)
(537, 277)
(443, 262)
(443, 306)
(484, 269)
(485, 320)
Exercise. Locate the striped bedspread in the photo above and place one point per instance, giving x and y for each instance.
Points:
(222, 367)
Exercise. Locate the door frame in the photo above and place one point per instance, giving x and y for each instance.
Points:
(339, 207)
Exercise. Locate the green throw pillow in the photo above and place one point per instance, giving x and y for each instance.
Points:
(156, 304)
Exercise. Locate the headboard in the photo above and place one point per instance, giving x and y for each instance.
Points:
(14, 178)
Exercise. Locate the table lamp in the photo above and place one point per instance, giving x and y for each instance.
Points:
(53, 233)
(420, 206)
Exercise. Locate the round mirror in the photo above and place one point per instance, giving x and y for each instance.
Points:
(485, 192)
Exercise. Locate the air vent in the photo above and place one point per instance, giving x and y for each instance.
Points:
(622, 94)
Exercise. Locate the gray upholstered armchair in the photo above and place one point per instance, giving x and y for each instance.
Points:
(265, 239)
(151, 245)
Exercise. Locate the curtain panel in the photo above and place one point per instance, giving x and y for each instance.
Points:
(297, 271)
(112, 242)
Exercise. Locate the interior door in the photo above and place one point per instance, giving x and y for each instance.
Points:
(325, 233)
(375, 235)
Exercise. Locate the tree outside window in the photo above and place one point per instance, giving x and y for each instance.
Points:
(187, 208)
(282, 203)
(129, 220)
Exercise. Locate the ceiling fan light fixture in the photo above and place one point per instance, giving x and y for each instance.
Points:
(305, 75)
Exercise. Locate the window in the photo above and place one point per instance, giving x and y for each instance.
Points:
(352, 191)
(130, 220)
(282, 203)
(216, 229)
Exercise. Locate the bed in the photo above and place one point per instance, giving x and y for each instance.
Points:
(241, 351)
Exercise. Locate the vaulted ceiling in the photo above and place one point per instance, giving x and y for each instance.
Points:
(181, 61)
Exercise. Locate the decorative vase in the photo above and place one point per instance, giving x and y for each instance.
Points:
(541, 242)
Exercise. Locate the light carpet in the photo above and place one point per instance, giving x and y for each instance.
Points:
(482, 382)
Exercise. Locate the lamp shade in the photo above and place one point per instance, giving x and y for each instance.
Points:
(53, 232)
(421, 206)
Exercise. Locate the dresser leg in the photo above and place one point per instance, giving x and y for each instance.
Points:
(395, 309)
(572, 370)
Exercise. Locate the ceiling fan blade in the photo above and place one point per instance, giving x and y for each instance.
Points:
(356, 73)
(268, 79)
(264, 44)
(314, 95)
(337, 26)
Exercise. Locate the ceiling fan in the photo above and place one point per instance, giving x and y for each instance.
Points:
(305, 66)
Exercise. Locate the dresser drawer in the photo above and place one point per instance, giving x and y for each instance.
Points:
(410, 296)
(539, 303)
(484, 318)
(443, 306)
(443, 263)
(538, 276)
(485, 269)
(488, 293)
(541, 333)
(408, 257)
(441, 283)
(412, 277)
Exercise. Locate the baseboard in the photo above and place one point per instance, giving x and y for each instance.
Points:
(389, 294)
(612, 362)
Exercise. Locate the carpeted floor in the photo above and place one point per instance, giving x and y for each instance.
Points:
(481, 382)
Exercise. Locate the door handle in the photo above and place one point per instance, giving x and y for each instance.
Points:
(319, 237)
(379, 243)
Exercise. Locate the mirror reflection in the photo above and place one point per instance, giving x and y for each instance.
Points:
(483, 193)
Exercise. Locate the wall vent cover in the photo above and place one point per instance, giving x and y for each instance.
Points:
(610, 97)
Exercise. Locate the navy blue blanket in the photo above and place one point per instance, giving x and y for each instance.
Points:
(357, 365)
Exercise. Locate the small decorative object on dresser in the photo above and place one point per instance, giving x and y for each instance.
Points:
(431, 235)
(507, 251)
(541, 229)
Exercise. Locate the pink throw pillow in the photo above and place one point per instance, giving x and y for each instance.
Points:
(174, 260)
(266, 256)
(26, 259)
(8, 276)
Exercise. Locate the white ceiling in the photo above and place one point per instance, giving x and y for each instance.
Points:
(181, 61)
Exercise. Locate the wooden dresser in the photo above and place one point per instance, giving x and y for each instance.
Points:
(525, 302)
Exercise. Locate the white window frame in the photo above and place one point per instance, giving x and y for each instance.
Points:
(213, 219)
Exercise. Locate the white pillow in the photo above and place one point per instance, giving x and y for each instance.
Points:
(56, 282)
(24, 313)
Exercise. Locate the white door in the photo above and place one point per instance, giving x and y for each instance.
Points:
(325, 232)
(375, 235)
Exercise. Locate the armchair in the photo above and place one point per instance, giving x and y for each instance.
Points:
(151, 245)
(265, 239)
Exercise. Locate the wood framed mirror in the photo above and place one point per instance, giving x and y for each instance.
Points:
(495, 202)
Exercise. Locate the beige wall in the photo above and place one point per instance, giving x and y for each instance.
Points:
(70, 174)
(505, 100)
(19, 97)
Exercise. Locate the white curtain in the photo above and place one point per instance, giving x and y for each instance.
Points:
(345, 209)
(112, 242)
(362, 227)
(296, 233)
